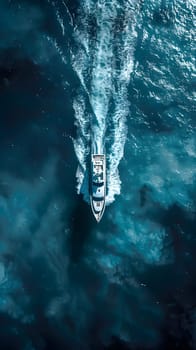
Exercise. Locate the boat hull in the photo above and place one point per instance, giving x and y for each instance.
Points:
(98, 185)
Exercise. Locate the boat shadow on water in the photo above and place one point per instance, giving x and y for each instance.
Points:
(81, 224)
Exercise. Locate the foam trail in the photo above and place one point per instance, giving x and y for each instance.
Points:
(103, 60)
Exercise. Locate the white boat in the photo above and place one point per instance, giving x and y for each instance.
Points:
(98, 185)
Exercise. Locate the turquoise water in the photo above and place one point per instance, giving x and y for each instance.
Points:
(120, 75)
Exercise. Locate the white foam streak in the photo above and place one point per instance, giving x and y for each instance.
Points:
(81, 143)
(57, 49)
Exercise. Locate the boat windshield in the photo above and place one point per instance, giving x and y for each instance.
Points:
(98, 184)
(98, 199)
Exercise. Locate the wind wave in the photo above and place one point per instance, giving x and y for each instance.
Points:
(103, 58)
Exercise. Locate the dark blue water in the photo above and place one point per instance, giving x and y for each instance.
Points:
(122, 71)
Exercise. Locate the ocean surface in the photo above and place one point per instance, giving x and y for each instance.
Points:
(115, 76)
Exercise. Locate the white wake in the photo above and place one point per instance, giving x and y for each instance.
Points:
(103, 59)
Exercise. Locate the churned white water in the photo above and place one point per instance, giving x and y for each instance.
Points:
(103, 60)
